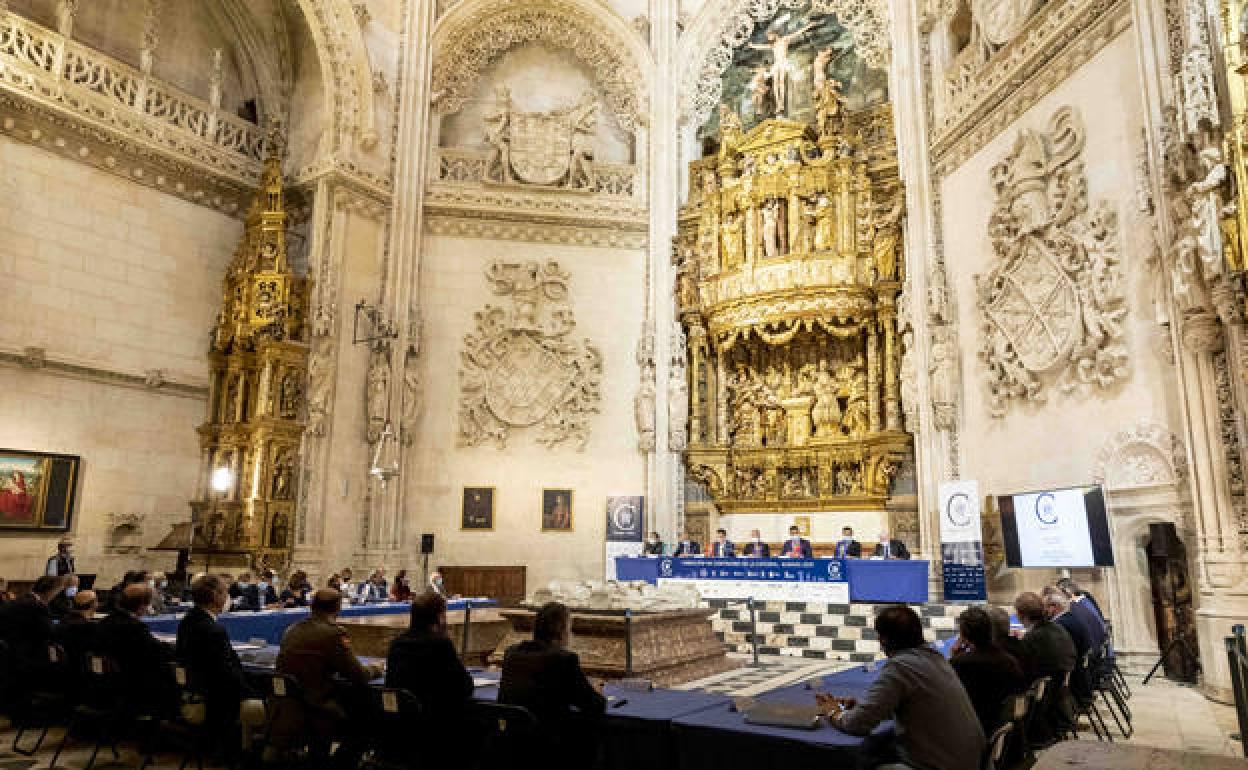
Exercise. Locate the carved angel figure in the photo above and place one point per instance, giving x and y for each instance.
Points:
(643, 413)
(498, 137)
(378, 392)
(887, 241)
(825, 224)
(827, 411)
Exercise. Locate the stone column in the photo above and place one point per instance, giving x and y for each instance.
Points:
(892, 398)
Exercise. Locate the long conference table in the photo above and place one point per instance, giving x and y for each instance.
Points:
(869, 580)
(666, 729)
(269, 625)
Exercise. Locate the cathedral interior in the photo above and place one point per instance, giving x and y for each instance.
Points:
(289, 284)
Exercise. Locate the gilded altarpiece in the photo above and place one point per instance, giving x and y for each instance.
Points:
(259, 362)
(790, 261)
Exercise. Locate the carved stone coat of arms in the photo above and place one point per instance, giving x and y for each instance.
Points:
(1053, 305)
(521, 368)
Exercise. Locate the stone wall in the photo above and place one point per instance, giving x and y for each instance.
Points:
(117, 279)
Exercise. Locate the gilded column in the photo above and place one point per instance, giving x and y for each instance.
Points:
(892, 402)
(721, 391)
(873, 378)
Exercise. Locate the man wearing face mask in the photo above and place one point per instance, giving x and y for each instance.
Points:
(160, 592)
(63, 603)
(654, 546)
(756, 547)
(437, 586)
(688, 546)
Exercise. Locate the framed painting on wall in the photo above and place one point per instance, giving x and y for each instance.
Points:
(37, 490)
(556, 510)
(803, 525)
(478, 508)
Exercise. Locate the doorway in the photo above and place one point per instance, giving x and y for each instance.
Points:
(1172, 603)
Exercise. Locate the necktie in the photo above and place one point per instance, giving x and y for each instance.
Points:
(886, 550)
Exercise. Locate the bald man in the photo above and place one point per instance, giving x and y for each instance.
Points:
(143, 659)
(316, 652)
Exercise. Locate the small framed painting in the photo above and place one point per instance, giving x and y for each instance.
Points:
(37, 491)
(803, 525)
(556, 510)
(478, 508)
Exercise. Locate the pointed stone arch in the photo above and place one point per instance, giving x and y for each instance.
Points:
(474, 33)
(346, 71)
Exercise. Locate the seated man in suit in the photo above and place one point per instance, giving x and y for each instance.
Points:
(424, 662)
(723, 548)
(847, 547)
(545, 678)
(76, 634)
(796, 546)
(143, 660)
(653, 546)
(213, 667)
(63, 602)
(756, 547)
(1057, 609)
(890, 547)
(988, 673)
(316, 653)
(26, 625)
(1052, 652)
(687, 546)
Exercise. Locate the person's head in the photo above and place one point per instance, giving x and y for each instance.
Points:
(899, 628)
(381, 573)
(975, 626)
(210, 593)
(86, 603)
(755, 534)
(684, 536)
(885, 536)
(435, 578)
(429, 613)
(1030, 608)
(47, 587)
(552, 624)
(402, 575)
(158, 580)
(654, 537)
(1068, 587)
(64, 548)
(794, 531)
(70, 585)
(135, 599)
(1055, 602)
(298, 579)
(326, 602)
(721, 535)
(847, 532)
(346, 573)
(335, 581)
(1000, 620)
(244, 578)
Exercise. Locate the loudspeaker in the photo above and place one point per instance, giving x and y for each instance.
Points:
(426, 543)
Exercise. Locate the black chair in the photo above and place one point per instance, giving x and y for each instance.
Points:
(189, 732)
(1039, 706)
(1086, 709)
(397, 718)
(994, 753)
(1103, 683)
(508, 734)
(44, 706)
(1014, 711)
(102, 710)
(291, 736)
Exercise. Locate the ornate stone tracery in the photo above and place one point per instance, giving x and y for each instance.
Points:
(1145, 453)
(520, 367)
(1054, 303)
(473, 43)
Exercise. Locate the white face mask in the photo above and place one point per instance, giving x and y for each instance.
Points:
(71, 591)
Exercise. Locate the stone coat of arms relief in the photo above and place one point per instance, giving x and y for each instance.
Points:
(1053, 305)
(553, 148)
(521, 367)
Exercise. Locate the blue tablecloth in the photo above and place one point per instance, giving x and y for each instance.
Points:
(869, 580)
(269, 625)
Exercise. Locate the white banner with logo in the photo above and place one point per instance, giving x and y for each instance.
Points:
(961, 541)
(626, 526)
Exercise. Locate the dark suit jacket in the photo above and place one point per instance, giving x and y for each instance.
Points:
(212, 664)
(26, 624)
(758, 550)
(76, 635)
(1052, 650)
(724, 551)
(802, 549)
(896, 548)
(145, 675)
(693, 550)
(549, 682)
(653, 549)
(1018, 650)
(428, 667)
(1078, 630)
(853, 550)
(989, 677)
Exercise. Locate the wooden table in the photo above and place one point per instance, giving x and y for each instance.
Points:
(1124, 756)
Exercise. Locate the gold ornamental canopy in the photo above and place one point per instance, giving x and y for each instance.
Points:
(790, 259)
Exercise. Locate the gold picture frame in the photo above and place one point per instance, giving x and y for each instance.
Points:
(803, 525)
(557, 510)
(476, 509)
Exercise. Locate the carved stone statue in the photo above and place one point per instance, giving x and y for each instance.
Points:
(771, 230)
(677, 409)
(318, 392)
(643, 412)
(279, 532)
(378, 392)
(733, 241)
(583, 120)
(283, 471)
(761, 94)
(852, 383)
(908, 376)
(1207, 202)
(413, 396)
(498, 137)
(825, 224)
(829, 107)
(290, 396)
(730, 130)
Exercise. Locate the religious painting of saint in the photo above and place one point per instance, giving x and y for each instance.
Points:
(37, 490)
(478, 508)
(803, 525)
(556, 510)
